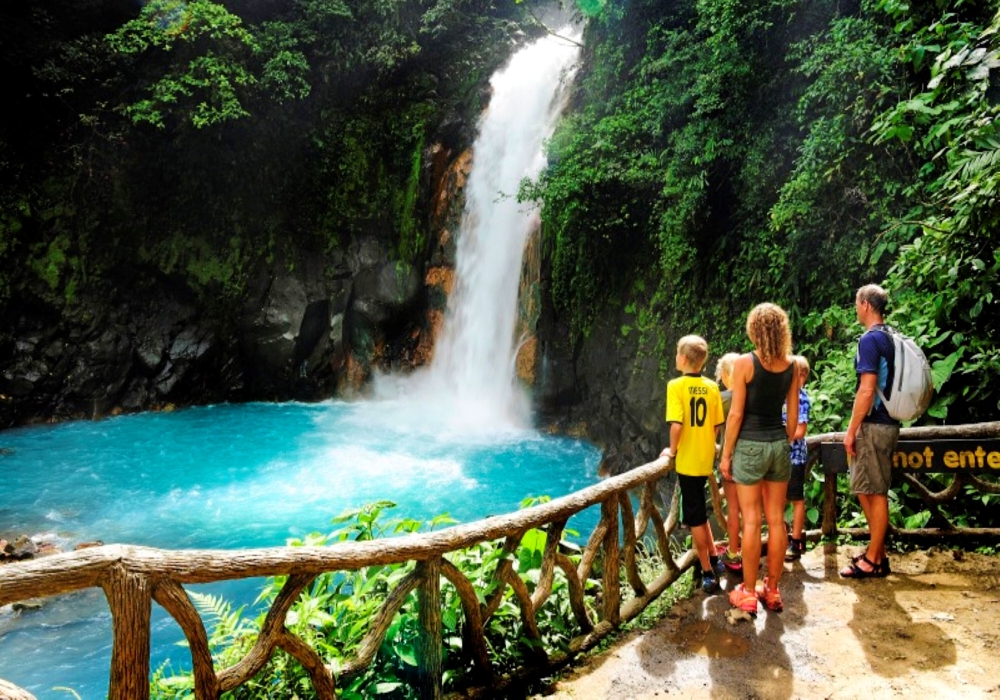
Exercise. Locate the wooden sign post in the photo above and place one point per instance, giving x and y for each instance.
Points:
(972, 455)
(926, 456)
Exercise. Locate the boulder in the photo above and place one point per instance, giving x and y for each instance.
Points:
(22, 547)
(386, 293)
(288, 329)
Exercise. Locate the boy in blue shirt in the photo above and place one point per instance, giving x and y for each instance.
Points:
(800, 456)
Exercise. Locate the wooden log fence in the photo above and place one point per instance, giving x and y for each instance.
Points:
(132, 577)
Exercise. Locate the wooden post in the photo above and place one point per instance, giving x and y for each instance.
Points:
(628, 532)
(130, 598)
(430, 639)
(612, 573)
(715, 491)
(830, 506)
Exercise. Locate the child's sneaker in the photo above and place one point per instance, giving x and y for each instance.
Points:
(717, 566)
(770, 597)
(743, 599)
(796, 548)
(733, 562)
(709, 583)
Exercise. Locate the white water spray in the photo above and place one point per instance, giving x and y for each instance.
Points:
(471, 383)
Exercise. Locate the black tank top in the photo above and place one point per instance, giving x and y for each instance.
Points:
(766, 394)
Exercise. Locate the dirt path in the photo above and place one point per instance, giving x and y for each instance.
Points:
(931, 629)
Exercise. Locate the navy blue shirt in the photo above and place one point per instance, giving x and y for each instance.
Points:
(876, 355)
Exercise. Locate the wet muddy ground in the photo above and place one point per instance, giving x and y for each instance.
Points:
(931, 629)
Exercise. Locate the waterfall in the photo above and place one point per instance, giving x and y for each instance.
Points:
(475, 356)
(471, 382)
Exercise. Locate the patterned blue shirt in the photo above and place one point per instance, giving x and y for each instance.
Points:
(800, 453)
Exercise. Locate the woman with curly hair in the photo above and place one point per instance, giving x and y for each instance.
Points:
(756, 452)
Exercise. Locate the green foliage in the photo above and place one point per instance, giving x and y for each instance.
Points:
(650, 564)
(411, 238)
(739, 152)
(209, 66)
(12, 216)
(336, 612)
(285, 72)
(276, 128)
(946, 279)
(840, 193)
(832, 380)
(942, 279)
(670, 163)
(591, 8)
(208, 79)
(57, 265)
(602, 184)
(208, 267)
(373, 174)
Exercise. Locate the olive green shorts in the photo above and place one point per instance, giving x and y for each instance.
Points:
(871, 468)
(755, 461)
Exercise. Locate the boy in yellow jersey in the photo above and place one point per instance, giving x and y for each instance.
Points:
(694, 412)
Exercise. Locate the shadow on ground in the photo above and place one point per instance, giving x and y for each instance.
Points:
(932, 628)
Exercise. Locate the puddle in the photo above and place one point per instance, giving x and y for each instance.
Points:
(706, 639)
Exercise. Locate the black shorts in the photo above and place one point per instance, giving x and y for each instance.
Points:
(797, 483)
(693, 493)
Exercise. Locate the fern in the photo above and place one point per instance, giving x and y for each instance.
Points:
(229, 628)
(976, 163)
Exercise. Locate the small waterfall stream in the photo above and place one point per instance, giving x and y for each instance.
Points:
(470, 384)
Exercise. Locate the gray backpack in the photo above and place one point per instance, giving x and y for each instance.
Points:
(912, 383)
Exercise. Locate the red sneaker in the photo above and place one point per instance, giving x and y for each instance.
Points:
(743, 599)
(770, 597)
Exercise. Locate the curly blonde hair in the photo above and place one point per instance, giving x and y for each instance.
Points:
(768, 329)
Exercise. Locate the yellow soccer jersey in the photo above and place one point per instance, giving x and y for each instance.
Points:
(695, 402)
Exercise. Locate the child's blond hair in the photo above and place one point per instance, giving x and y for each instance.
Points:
(694, 349)
(801, 364)
(725, 366)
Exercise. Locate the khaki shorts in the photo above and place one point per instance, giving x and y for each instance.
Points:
(871, 467)
(755, 461)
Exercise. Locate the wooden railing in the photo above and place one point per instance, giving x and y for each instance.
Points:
(959, 481)
(133, 577)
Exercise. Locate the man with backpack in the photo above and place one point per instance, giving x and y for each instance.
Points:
(872, 434)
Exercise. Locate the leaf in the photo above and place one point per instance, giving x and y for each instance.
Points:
(918, 106)
(977, 308)
(406, 654)
(917, 520)
(941, 370)
(980, 72)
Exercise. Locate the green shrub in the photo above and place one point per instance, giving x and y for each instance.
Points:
(336, 611)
